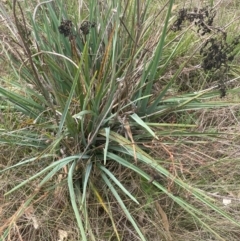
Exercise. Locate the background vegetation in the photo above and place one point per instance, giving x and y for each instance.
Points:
(119, 120)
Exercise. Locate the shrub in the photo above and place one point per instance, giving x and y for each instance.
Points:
(99, 92)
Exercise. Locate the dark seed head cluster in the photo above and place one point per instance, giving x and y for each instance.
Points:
(216, 52)
(86, 26)
(65, 28)
(203, 18)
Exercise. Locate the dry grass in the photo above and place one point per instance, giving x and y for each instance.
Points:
(211, 165)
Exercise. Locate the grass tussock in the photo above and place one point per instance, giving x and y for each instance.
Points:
(119, 121)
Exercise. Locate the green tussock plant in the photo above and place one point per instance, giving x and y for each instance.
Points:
(94, 88)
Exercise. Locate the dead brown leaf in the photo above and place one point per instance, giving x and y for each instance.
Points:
(164, 220)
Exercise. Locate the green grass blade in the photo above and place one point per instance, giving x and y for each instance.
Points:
(143, 124)
(107, 130)
(85, 182)
(152, 69)
(104, 169)
(73, 201)
(124, 208)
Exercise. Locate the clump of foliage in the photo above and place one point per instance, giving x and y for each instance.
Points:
(87, 84)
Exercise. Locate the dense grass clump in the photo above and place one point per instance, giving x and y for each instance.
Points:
(108, 131)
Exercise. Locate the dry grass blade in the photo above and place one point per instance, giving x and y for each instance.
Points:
(164, 220)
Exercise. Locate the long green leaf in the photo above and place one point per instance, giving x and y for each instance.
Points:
(119, 184)
(152, 69)
(143, 124)
(85, 182)
(124, 208)
(73, 201)
(106, 145)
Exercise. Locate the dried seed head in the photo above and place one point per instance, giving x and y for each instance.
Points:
(86, 26)
(65, 28)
